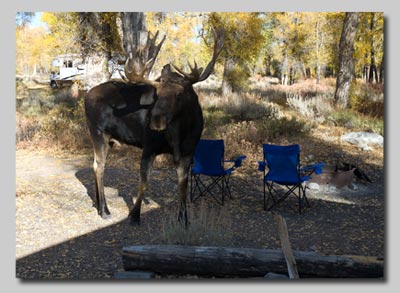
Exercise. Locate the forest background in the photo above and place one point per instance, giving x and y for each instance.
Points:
(271, 63)
(289, 45)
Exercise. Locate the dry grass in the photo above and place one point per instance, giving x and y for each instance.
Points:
(50, 119)
(367, 99)
(315, 108)
(208, 225)
(268, 112)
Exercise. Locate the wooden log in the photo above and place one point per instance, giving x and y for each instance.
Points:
(286, 247)
(134, 275)
(244, 262)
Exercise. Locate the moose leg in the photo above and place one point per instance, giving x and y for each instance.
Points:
(183, 171)
(100, 155)
(145, 168)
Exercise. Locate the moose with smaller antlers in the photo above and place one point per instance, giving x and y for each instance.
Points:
(160, 116)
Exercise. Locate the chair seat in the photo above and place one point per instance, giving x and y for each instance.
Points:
(198, 170)
(208, 171)
(285, 181)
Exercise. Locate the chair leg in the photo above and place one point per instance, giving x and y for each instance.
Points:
(201, 189)
(305, 196)
(304, 199)
(196, 186)
(265, 206)
(191, 187)
(300, 195)
(270, 196)
(228, 189)
(300, 198)
(222, 191)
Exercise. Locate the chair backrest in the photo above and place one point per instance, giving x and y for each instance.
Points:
(282, 161)
(209, 157)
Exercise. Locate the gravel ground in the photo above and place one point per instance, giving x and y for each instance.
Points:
(60, 236)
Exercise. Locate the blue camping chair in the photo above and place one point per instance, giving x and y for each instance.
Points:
(283, 163)
(208, 172)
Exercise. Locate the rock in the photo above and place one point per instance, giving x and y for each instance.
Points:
(332, 188)
(365, 147)
(310, 157)
(313, 186)
(353, 186)
(363, 139)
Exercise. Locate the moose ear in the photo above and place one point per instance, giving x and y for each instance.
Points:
(147, 98)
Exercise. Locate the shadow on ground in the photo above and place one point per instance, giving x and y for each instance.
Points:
(343, 223)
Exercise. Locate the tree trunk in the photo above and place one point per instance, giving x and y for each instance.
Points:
(96, 68)
(318, 73)
(229, 66)
(284, 70)
(365, 72)
(291, 77)
(346, 61)
(99, 39)
(317, 51)
(96, 42)
(308, 72)
(134, 29)
(382, 69)
(244, 262)
(267, 62)
(372, 69)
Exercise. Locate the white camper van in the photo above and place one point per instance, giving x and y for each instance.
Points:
(69, 67)
(65, 69)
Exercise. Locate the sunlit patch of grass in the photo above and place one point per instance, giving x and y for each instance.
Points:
(353, 121)
(207, 226)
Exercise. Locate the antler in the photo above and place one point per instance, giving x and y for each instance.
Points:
(141, 60)
(197, 74)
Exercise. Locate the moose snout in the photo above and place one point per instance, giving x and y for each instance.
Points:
(158, 122)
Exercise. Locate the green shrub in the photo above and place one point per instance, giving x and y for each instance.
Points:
(241, 135)
(65, 126)
(214, 116)
(238, 78)
(288, 128)
(367, 99)
(355, 122)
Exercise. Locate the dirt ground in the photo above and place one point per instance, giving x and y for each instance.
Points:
(60, 236)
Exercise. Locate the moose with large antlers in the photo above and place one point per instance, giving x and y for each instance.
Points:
(158, 116)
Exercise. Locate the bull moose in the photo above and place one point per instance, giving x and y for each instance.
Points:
(158, 116)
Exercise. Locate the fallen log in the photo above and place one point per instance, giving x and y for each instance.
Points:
(244, 262)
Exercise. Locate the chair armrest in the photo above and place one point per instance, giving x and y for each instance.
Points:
(261, 165)
(237, 161)
(315, 168)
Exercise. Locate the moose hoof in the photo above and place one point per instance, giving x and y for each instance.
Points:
(105, 214)
(134, 216)
(135, 221)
